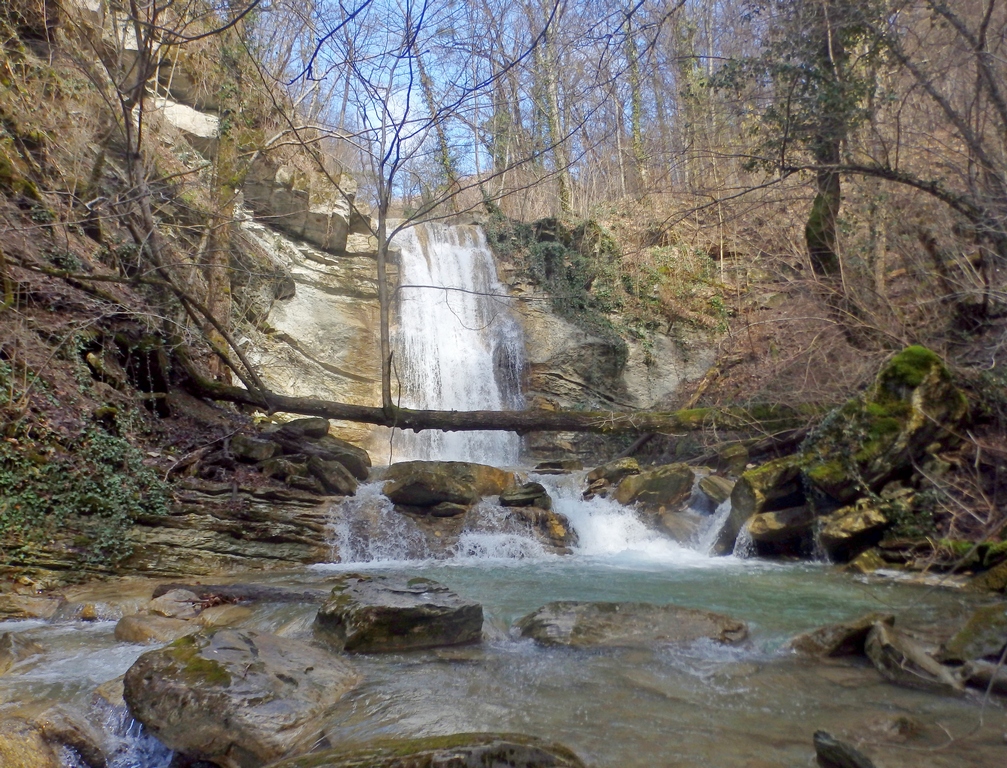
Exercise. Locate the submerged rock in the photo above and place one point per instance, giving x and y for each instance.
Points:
(374, 614)
(667, 486)
(903, 662)
(587, 624)
(463, 750)
(844, 639)
(15, 648)
(239, 699)
(426, 483)
(983, 636)
(832, 753)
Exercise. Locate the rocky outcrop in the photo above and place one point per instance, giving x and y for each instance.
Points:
(375, 614)
(464, 750)
(428, 483)
(852, 529)
(600, 624)
(236, 699)
(845, 639)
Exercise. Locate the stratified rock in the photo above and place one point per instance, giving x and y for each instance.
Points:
(559, 466)
(238, 699)
(783, 527)
(22, 746)
(174, 604)
(15, 648)
(717, 489)
(283, 467)
(463, 750)
(253, 449)
(774, 485)
(313, 427)
(29, 607)
(903, 662)
(983, 636)
(986, 675)
(844, 639)
(614, 471)
(426, 483)
(667, 486)
(833, 753)
(334, 477)
(589, 624)
(152, 629)
(373, 614)
(527, 495)
(59, 725)
(850, 530)
(330, 448)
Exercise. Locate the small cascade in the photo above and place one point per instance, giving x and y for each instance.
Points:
(711, 532)
(457, 345)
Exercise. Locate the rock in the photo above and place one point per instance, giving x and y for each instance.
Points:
(152, 629)
(313, 427)
(25, 607)
(993, 580)
(850, 530)
(551, 528)
(912, 404)
(903, 662)
(446, 509)
(629, 625)
(682, 525)
(15, 648)
(22, 746)
(284, 467)
(252, 593)
(782, 531)
(717, 489)
(983, 636)
(464, 750)
(559, 467)
(110, 692)
(844, 639)
(986, 676)
(201, 130)
(61, 726)
(732, 459)
(238, 699)
(527, 495)
(668, 486)
(614, 471)
(775, 485)
(867, 562)
(253, 449)
(223, 616)
(328, 448)
(334, 477)
(374, 614)
(833, 753)
(175, 604)
(426, 483)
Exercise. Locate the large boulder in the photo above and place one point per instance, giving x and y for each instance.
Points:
(590, 624)
(716, 488)
(773, 486)
(551, 528)
(326, 448)
(983, 636)
(849, 531)
(61, 725)
(614, 471)
(140, 628)
(427, 483)
(785, 531)
(463, 750)
(23, 746)
(238, 699)
(844, 639)
(667, 486)
(902, 661)
(373, 614)
(912, 404)
(527, 495)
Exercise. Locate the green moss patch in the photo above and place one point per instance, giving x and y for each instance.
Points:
(197, 669)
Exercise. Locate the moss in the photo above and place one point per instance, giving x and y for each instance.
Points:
(196, 668)
(827, 473)
(907, 370)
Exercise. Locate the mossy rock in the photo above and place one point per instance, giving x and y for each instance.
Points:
(983, 636)
(773, 486)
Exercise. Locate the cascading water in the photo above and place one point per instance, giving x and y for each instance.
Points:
(457, 345)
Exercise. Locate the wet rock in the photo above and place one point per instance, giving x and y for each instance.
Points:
(313, 427)
(15, 648)
(983, 636)
(993, 580)
(986, 676)
(559, 467)
(28, 607)
(61, 726)
(775, 485)
(426, 483)
(223, 616)
(374, 614)
(832, 753)
(782, 531)
(238, 699)
(717, 489)
(549, 527)
(614, 471)
(668, 486)
(22, 746)
(446, 509)
(682, 525)
(334, 477)
(527, 495)
(850, 530)
(253, 449)
(844, 639)
(110, 692)
(903, 662)
(175, 604)
(152, 629)
(466, 750)
(867, 562)
(633, 625)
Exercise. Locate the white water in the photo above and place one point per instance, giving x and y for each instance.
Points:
(457, 345)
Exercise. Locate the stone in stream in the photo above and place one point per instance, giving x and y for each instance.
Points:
(427, 483)
(527, 495)
(15, 648)
(22, 746)
(775, 485)
(374, 614)
(59, 725)
(844, 639)
(558, 467)
(626, 625)
(463, 750)
(903, 662)
(175, 604)
(785, 531)
(851, 530)
(667, 486)
(983, 636)
(833, 753)
(614, 471)
(986, 675)
(140, 628)
(238, 699)
(717, 489)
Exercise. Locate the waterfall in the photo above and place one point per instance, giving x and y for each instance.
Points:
(456, 343)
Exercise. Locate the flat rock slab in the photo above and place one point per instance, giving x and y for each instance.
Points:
(628, 625)
(845, 639)
(464, 750)
(239, 699)
(375, 614)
